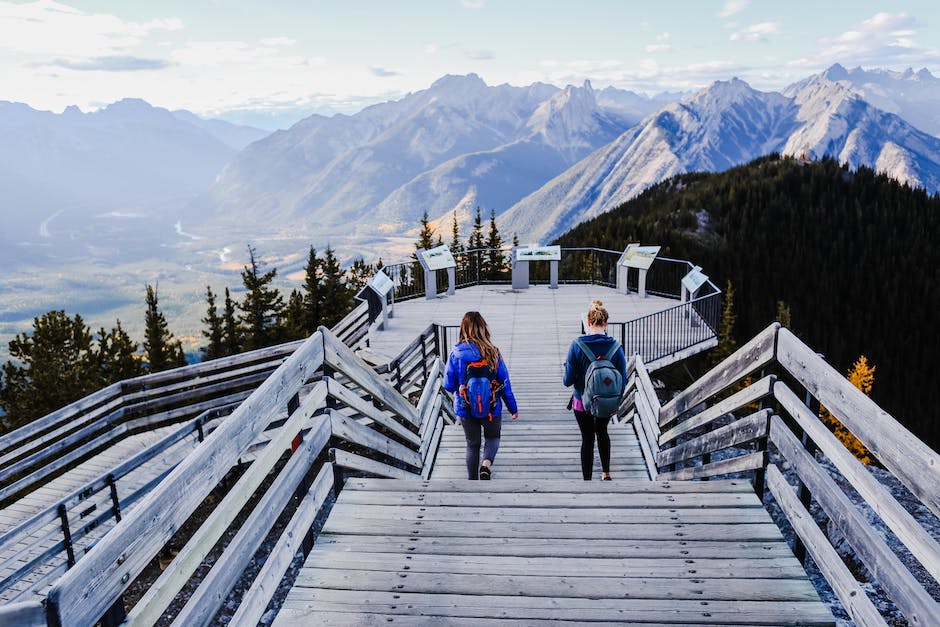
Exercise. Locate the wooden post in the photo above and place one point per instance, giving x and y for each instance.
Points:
(338, 478)
(802, 491)
(67, 534)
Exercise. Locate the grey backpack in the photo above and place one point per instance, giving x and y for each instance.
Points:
(603, 382)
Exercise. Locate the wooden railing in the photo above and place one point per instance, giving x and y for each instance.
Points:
(39, 451)
(757, 413)
(323, 393)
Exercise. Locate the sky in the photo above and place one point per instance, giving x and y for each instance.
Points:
(278, 60)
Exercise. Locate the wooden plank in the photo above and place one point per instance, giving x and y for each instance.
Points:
(304, 602)
(254, 602)
(429, 395)
(740, 431)
(548, 585)
(429, 460)
(843, 582)
(908, 530)
(203, 604)
(909, 459)
(750, 357)
(734, 487)
(557, 547)
(153, 603)
(760, 532)
(429, 434)
(24, 614)
(750, 461)
(677, 569)
(736, 401)
(348, 429)
(913, 601)
(340, 393)
(340, 357)
(86, 591)
(345, 459)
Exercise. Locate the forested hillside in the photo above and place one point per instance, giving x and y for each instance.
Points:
(853, 254)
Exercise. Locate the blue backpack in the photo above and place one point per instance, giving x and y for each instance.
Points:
(603, 382)
(480, 390)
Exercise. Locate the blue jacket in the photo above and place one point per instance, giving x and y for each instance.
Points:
(577, 363)
(463, 354)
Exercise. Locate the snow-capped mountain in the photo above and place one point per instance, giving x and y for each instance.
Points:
(727, 124)
(456, 145)
(914, 96)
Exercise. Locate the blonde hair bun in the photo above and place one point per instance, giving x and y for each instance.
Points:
(597, 304)
(597, 315)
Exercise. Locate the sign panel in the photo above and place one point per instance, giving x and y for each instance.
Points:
(438, 258)
(381, 283)
(694, 279)
(639, 256)
(539, 253)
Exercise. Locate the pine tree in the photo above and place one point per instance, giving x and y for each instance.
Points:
(475, 265)
(358, 275)
(214, 331)
(425, 234)
(262, 308)
(475, 241)
(455, 246)
(862, 376)
(336, 298)
(117, 356)
(783, 314)
(726, 342)
(161, 349)
(295, 317)
(231, 334)
(49, 368)
(495, 263)
(515, 239)
(313, 296)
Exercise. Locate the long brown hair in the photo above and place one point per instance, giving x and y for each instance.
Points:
(473, 329)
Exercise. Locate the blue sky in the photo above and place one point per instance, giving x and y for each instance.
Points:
(220, 57)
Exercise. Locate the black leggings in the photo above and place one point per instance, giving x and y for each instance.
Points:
(491, 431)
(592, 427)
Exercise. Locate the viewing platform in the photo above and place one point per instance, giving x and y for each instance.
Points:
(349, 474)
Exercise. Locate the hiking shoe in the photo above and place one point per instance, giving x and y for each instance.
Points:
(484, 473)
(608, 478)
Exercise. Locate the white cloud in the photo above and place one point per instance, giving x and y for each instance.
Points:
(756, 32)
(480, 55)
(732, 6)
(473, 4)
(431, 48)
(278, 42)
(47, 28)
(654, 48)
(883, 40)
(382, 72)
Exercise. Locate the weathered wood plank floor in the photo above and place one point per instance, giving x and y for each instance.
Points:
(537, 544)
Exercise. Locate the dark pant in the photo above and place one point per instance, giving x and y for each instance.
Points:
(592, 427)
(472, 428)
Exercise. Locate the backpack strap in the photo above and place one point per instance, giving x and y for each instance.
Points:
(612, 351)
(584, 348)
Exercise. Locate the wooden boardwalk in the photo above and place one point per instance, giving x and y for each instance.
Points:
(537, 544)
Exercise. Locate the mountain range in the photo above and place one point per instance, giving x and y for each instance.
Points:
(133, 193)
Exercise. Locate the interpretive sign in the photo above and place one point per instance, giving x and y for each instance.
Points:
(437, 258)
(694, 279)
(539, 253)
(381, 283)
(639, 256)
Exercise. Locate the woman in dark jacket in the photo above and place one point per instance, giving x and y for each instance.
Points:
(576, 366)
(474, 345)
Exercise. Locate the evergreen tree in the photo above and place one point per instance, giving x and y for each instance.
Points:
(783, 314)
(455, 246)
(425, 234)
(475, 241)
(475, 265)
(161, 349)
(313, 292)
(262, 308)
(214, 331)
(726, 342)
(515, 239)
(495, 262)
(49, 368)
(231, 334)
(336, 298)
(295, 317)
(117, 356)
(358, 275)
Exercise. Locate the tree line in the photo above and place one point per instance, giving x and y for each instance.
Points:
(850, 255)
(61, 360)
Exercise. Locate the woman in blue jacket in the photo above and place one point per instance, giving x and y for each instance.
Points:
(576, 366)
(474, 345)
